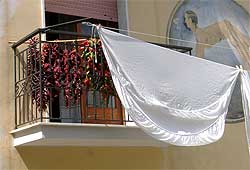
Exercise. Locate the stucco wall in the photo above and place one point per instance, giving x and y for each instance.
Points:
(231, 152)
(4, 137)
(17, 18)
(152, 17)
(26, 15)
(93, 158)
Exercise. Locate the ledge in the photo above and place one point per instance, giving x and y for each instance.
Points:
(77, 134)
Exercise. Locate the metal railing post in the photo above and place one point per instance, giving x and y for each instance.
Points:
(15, 93)
(40, 77)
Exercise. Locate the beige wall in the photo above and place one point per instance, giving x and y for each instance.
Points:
(231, 152)
(228, 153)
(17, 18)
(4, 137)
(152, 17)
(93, 158)
(26, 18)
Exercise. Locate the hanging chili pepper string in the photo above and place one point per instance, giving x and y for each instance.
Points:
(69, 69)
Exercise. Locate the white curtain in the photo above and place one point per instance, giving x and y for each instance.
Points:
(174, 97)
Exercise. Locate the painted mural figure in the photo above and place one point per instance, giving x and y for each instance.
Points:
(208, 36)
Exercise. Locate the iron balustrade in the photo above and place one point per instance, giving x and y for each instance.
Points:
(29, 87)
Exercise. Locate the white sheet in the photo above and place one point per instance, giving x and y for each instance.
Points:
(174, 97)
(245, 91)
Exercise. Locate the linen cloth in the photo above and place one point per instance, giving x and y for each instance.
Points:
(174, 97)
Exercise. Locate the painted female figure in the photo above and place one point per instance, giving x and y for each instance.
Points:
(208, 36)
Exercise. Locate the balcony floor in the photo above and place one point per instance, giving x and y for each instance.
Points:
(77, 134)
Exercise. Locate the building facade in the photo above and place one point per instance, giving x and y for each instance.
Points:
(53, 145)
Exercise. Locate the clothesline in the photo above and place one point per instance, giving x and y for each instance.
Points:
(159, 36)
(141, 33)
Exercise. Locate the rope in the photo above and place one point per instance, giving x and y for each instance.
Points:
(165, 37)
(141, 33)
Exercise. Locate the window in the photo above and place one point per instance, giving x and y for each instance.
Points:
(97, 110)
(92, 108)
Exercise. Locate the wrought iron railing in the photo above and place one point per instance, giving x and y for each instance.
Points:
(39, 100)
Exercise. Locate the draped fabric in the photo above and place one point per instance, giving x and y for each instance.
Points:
(245, 91)
(174, 97)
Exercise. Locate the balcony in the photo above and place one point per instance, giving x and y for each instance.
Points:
(64, 95)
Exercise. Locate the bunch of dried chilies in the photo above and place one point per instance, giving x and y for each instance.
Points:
(68, 66)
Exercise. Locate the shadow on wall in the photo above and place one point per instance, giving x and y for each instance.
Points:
(92, 158)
